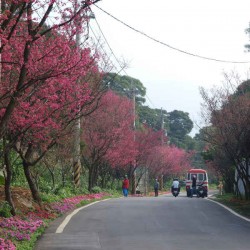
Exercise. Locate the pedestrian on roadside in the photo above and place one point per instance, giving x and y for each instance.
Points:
(156, 187)
(193, 190)
(125, 186)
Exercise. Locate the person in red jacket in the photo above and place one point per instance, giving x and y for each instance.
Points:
(125, 186)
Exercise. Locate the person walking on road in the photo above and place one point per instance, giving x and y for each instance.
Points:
(156, 187)
(125, 186)
(193, 190)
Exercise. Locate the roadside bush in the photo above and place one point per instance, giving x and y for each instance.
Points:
(44, 186)
(1, 180)
(49, 197)
(112, 192)
(84, 191)
(96, 190)
(63, 192)
(5, 209)
(60, 193)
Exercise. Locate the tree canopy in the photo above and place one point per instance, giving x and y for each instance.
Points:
(126, 86)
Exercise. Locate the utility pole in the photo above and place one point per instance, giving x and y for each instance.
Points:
(77, 131)
(77, 125)
(162, 143)
(134, 163)
(162, 128)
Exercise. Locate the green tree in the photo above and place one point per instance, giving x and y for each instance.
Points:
(155, 118)
(126, 86)
(180, 125)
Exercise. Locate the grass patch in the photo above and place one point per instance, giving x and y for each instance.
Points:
(230, 200)
(213, 186)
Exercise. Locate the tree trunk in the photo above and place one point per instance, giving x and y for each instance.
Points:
(32, 186)
(133, 183)
(95, 175)
(90, 184)
(51, 174)
(103, 181)
(63, 178)
(247, 180)
(112, 183)
(8, 177)
(247, 189)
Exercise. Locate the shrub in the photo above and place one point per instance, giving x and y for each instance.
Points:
(44, 186)
(5, 209)
(64, 192)
(96, 190)
(49, 197)
(2, 180)
(84, 191)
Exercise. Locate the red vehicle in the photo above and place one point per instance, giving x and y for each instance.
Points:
(201, 181)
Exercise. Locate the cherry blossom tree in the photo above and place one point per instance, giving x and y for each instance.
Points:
(169, 160)
(25, 26)
(108, 135)
(146, 139)
(66, 82)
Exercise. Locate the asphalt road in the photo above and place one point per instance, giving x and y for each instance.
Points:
(156, 223)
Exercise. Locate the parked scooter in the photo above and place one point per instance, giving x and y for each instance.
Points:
(175, 192)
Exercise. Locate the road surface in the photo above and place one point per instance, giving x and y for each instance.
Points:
(150, 223)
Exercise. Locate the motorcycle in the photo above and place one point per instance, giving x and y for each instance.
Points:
(201, 190)
(175, 192)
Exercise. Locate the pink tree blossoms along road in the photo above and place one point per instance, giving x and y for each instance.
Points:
(24, 26)
(108, 135)
(46, 80)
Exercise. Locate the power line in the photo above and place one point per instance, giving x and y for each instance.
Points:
(108, 43)
(167, 45)
(150, 101)
(99, 44)
(112, 52)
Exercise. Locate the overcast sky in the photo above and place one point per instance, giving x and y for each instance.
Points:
(213, 29)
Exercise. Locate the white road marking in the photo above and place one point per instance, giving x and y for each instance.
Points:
(230, 210)
(68, 218)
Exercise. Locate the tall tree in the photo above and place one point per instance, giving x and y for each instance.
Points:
(169, 160)
(108, 135)
(229, 114)
(65, 85)
(155, 118)
(126, 86)
(180, 125)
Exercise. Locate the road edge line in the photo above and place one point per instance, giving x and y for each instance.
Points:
(68, 218)
(230, 210)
